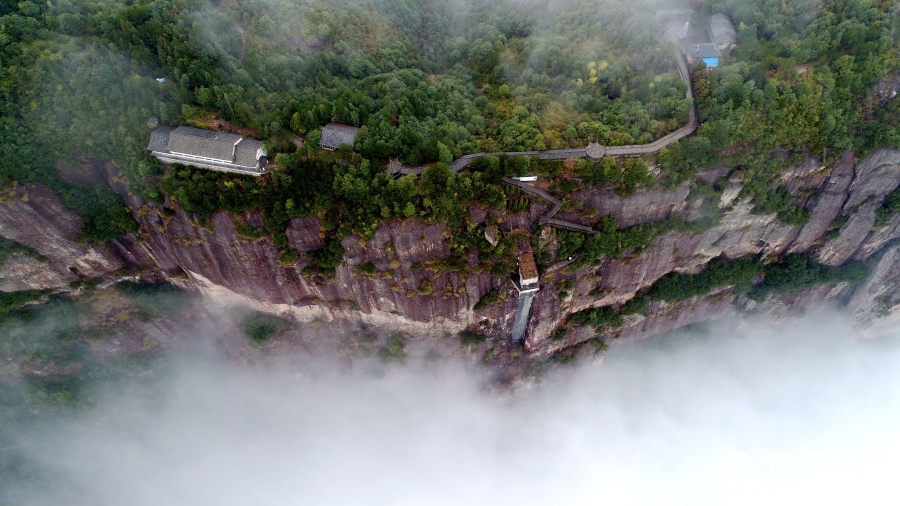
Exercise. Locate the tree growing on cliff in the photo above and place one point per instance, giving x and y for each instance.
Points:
(259, 327)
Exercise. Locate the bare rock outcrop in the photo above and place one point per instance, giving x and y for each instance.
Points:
(403, 290)
(33, 215)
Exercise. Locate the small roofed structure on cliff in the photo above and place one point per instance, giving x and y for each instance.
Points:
(492, 235)
(706, 52)
(528, 273)
(209, 150)
(336, 134)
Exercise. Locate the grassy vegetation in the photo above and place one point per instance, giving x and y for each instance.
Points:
(599, 318)
(488, 300)
(16, 300)
(55, 339)
(469, 337)
(718, 272)
(154, 300)
(394, 350)
(8, 247)
(793, 273)
(259, 327)
(797, 272)
(638, 305)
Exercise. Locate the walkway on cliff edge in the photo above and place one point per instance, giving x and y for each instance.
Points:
(523, 311)
(593, 150)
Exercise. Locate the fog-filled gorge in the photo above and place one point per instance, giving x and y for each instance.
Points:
(738, 415)
(556, 256)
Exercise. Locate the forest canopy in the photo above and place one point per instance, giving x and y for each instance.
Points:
(426, 82)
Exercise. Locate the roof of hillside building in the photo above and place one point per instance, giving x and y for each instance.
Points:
(203, 143)
(159, 138)
(703, 51)
(203, 147)
(527, 267)
(335, 134)
(722, 31)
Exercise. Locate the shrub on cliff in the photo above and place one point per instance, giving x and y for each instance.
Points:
(9, 247)
(394, 350)
(15, 300)
(597, 317)
(259, 327)
(719, 272)
(468, 337)
(890, 206)
(637, 305)
(779, 201)
(153, 299)
(367, 269)
(487, 300)
(288, 257)
(246, 231)
(798, 272)
(328, 258)
(594, 345)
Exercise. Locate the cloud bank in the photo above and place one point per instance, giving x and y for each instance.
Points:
(792, 415)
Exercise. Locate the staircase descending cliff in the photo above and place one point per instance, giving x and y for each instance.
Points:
(523, 311)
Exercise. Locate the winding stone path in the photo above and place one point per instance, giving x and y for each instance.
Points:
(593, 150)
(548, 217)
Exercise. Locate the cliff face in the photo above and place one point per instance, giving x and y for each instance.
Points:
(223, 264)
(843, 188)
(34, 216)
(251, 268)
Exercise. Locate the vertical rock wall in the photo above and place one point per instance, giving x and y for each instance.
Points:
(217, 258)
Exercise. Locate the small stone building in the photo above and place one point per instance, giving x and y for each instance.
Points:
(492, 235)
(209, 150)
(336, 134)
(528, 273)
(706, 52)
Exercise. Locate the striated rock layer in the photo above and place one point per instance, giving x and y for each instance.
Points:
(224, 265)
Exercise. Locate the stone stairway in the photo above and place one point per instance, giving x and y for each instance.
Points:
(523, 311)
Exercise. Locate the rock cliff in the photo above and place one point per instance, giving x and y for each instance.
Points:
(841, 197)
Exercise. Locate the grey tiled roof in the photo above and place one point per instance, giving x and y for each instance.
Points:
(335, 134)
(159, 139)
(205, 143)
(722, 31)
(245, 152)
(219, 150)
(703, 51)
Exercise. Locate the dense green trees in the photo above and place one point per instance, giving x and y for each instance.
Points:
(797, 272)
(890, 205)
(427, 83)
(801, 79)
(259, 327)
(153, 300)
(717, 273)
(597, 318)
(793, 273)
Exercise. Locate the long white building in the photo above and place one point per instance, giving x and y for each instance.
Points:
(209, 150)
